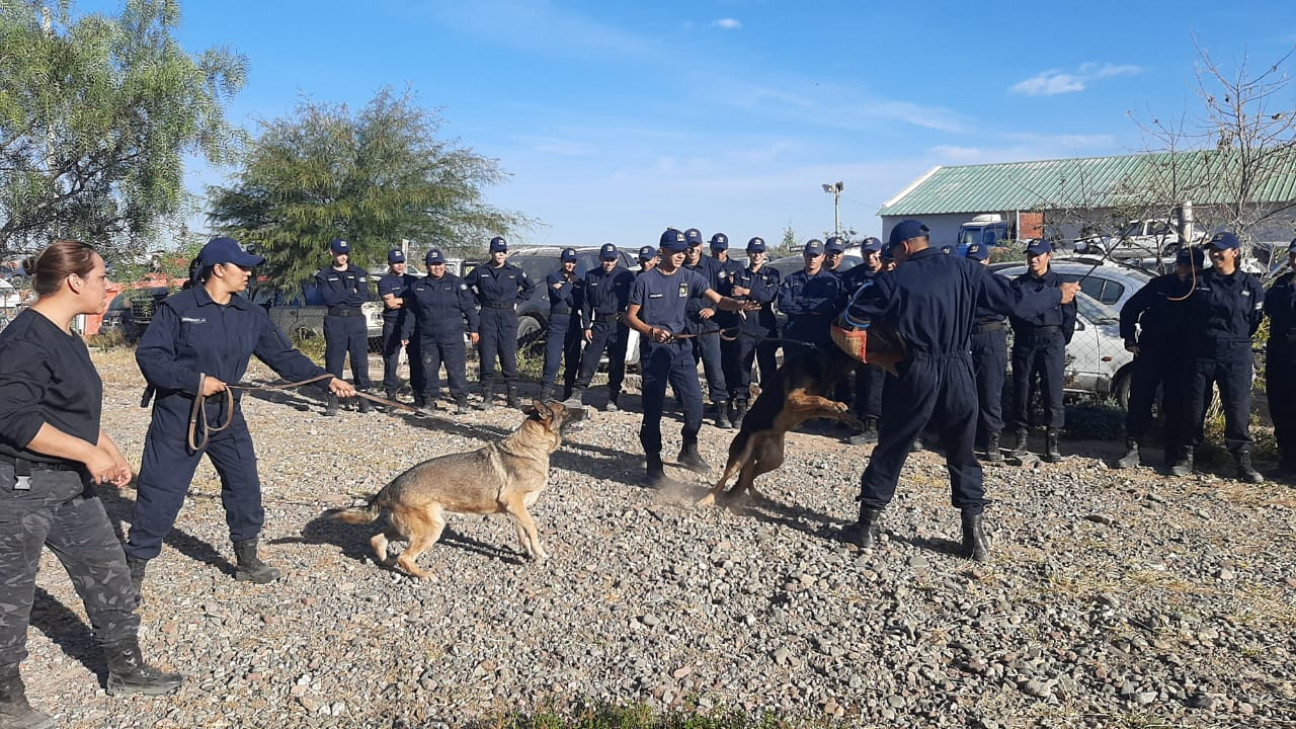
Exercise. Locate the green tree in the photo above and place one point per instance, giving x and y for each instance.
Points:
(96, 116)
(372, 178)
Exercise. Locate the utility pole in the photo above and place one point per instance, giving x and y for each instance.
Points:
(835, 189)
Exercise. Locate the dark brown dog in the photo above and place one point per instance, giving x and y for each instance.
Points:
(504, 477)
(798, 394)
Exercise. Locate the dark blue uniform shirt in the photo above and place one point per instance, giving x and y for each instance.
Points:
(1159, 318)
(564, 296)
(499, 288)
(1225, 309)
(1280, 305)
(1063, 317)
(45, 377)
(343, 290)
(802, 294)
(764, 286)
(607, 293)
(191, 336)
(396, 286)
(663, 300)
(935, 285)
(441, 306)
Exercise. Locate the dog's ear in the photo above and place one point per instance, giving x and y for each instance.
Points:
(540, 409)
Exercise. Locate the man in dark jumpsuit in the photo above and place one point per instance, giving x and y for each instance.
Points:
(757, 282)
(345, 288)
(499, 287)
(725, 269)
(1154, 325)
(930, 300)
(989, 365)
(702, 322)
(391, 290)
(607, 294)
(658, 311)
(834, 254)
(1280, 366)
(810, 298)
(1225, 311)
(869, 379)
(441, 305)
(563, 337)
(1039, 351)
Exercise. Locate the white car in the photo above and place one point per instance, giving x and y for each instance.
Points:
(10, 300)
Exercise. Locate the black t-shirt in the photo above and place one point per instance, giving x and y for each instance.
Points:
(45, 377)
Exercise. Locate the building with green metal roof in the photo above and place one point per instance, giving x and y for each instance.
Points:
(1061, 198)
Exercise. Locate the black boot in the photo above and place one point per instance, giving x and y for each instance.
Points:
(691, 459)
(1183, 463)
(1246, 473)
(576, 399)
(488, 398)
(511, 397)
(14, 709)
(1021, 448)
(461, 405)
(722, 416)
(129, 674)
(1051, 452)
(740, 412)
(250, 566)
(363, 405)
(976, 545)
(547, 393)
(868, 435)
(330, 405)
(992, 449)
(1131, 457)
(137, 567)
(611, 406)
(423, 404)
(654, 472)
(865, 532)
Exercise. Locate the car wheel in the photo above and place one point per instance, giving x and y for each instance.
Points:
(530, 336)
(1122, 388)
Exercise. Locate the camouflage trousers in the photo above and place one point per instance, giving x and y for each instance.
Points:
(60, 510)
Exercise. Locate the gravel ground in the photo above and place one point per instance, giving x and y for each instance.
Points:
(1113, 598)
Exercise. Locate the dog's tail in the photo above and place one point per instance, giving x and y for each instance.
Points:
(356, 514)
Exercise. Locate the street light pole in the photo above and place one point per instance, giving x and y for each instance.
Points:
(835, 189)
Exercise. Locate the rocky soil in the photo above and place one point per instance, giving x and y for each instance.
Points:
(1114, 598)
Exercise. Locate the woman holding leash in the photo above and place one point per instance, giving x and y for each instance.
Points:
(201, 340)
(52, 452)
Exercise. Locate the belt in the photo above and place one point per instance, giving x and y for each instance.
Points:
(497, 306)
(345, 312)
(1038, 331)
(21, 464)
(605, 317)
(993, 326)
(559, 312)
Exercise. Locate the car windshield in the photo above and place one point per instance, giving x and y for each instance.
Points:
(1132, 228)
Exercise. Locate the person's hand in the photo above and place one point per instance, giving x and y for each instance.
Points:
(1069, 290)
(740, 291)
(122, 475)
(661, 336)
(474, 338)
(751, 306)
(341, 387)
(589, 335)
(404, 342)
(706, 314)
(558, 285)
(1132, 348)
(102, 466)
(211, 386)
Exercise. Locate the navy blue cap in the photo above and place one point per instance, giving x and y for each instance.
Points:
(395, 255)
(871, 244)
(906, 229)
(1194, 254)
(227, 250)
(693, 237)
(756, 245)
(814, 246)
(498, 245)
(834, 245)
(608, 252)
(568, 255)
(647, 253)
(719, 242)
(673, 240)
(1225, 240)
(977, 252)
(340, 246)
(434, 256)
(1039, 247)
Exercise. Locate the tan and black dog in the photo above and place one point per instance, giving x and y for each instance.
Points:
(504, 477)
(796, 395)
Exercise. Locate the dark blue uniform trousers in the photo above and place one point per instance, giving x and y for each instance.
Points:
(1230, 367)
(562, 347)
(447, 349)
(869, 383)
(345, 335)
(935, 389)
(1280, 384)
(1042, 356)
(62, 511)
(706, 348)
(391, 358)
(671, 363)
(498, 339)
(613, 337)
(167, 469)
(1153, 368)
(990, 366)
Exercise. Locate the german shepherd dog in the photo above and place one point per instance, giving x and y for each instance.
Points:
(504, 477)
(797, 394)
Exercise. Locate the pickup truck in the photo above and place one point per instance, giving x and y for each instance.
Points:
(1138, 239)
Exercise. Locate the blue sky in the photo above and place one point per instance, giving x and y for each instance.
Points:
(616, 120)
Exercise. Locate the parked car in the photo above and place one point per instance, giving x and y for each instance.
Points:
(131, 311)
(10, 301)
(1111, 283)
(301, 314)
(1138, 239)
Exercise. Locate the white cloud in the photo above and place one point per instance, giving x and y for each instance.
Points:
(727, 24)
(1053, 81)
(956, 154)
